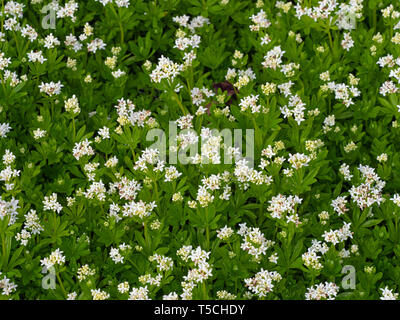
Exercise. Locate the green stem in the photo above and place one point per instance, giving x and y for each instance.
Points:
(207, 231)
(204, 4)
(146, 235)
(156, 189)
(330, 105)
(91, 96)
(191, 76)
(391, 29)
(118, 15)
(208, 236)
(26, 46)
(102, 208)
(261, 208)
(184, 111)
(200, 123)
(312, 277)
(330, 40)
(276, 231)
(17, 44)
(2, 15)
(205, 297)
(256, 129)
(230, 246)
(3, 245)
(61, 284)
(188, 86)
(134, 264)
(133, 152)
(74, 128)
(121, 27)
(190, 79)
(52, 109)
(3, 85)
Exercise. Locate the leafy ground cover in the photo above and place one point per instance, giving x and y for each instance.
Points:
(304, 204)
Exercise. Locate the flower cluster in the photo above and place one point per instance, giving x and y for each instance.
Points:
(200, 273)
(262, 283)
(254, 242)
(55, 258)
(280, 204)
(199, 149)
(322, 291)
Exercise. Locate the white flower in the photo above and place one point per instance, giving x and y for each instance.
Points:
(4, 129)
(250, 102)
(259, 21)
(322, 291)
(166, 69)
(50, 203)
(97, 294)
(224, 233)
(345, 171)
(104, 133)
(68, 10)
(96, 44)
(51, 42)
(139, 209)
(396, 199)
(72, 296)
(84, 272)
(122, 3)
(254, 242)
(4, 62)
(123, 287)
(273, 58)
(171, 174)
(51, 88)
(347, 42)
(28, 32)
(388, 294)
(8, 157)
(262, 283)
(339, 205)
(72, 105)
(382, 157)
(139, 294)
(119, 73)
(36, 56)
(7, 286)
(82, 148)
(55, 258)
(163, 263)
(298, 160)
(39, 133)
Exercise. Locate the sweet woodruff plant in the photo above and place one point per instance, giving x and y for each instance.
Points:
(214, 149)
